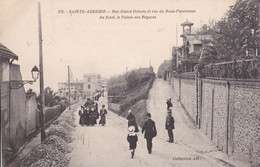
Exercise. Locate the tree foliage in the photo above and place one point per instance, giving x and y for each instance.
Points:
(236, 31)
(122, 84)
(49, 97)
(164, 67)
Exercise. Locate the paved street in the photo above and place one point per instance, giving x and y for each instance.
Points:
(107, 146)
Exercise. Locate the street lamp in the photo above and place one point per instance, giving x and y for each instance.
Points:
(35, 73)
(16, 84)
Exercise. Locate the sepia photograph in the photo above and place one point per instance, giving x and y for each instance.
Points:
(129, 83)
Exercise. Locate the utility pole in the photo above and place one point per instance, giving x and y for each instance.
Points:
(69, 84)
(41, 119)
(176, 48)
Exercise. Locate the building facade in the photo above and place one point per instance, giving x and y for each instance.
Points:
(18, 114)
(193, 46)
(91, 84)
(76, 89)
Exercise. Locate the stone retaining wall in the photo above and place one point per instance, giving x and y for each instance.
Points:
(227, 111)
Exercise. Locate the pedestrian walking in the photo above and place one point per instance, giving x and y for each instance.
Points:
(92, 114)
(169, 125)
(81, 115)
(130, 117)
(149, 130)
(102, 114)
(169, 103)
(86, 116)
(132, 137)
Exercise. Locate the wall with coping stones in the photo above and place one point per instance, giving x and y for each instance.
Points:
(220, 116)
(236, 117)
(206, 115)
(229, 114)
(245, 118)
(176, 85)
(114, 107)
(188, 97)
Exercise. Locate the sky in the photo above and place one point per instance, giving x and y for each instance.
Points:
(89, 44)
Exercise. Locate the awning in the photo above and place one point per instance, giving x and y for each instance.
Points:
(6, 53)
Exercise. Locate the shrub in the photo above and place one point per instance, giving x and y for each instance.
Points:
(242, 69)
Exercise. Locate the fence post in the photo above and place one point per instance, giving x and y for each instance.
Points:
(197, 95)
(212, 114)
(179, 87)
(228, 96)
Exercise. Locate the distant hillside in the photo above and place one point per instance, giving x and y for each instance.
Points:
(134, 87)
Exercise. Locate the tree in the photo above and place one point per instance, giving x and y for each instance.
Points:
(132, 79)
(245, 14)
(235, 33)
(49, 97)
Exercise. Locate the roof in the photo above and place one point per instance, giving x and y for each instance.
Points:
(198, 39)
(187, 23)
(193, 40)
(6, 53)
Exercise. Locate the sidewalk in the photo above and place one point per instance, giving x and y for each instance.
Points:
(31, 144)
(186, 133)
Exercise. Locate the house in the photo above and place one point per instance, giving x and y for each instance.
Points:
(91, 84)
(193, 45)
(76, 89)
(145, 70)
(18, 115)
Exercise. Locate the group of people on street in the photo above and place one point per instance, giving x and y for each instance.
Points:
(149, 129)
(89, 114)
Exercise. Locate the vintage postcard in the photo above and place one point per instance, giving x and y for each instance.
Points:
(130, 83)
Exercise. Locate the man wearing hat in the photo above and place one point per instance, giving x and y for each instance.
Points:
(150, 132)
(169, 125)
(169, 103)
(130, 117)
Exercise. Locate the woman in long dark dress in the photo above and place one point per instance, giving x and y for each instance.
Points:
(102, 114)
(81, 115)
(87, 116)
(132, 137)
(93, 116)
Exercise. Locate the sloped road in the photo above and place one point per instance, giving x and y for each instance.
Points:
(108, 147)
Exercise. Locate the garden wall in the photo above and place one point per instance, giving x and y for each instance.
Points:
(114, 107)
(32, 115)
(188, 97)
(51, 113)
(228, 112)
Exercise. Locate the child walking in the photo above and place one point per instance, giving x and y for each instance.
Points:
(132, 137)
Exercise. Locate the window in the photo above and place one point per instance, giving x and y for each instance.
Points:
(89, 86)
(89, 79)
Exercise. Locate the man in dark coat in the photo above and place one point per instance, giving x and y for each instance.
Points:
(169, 103)
(130, 117)
(150, 132)
(169, 125)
